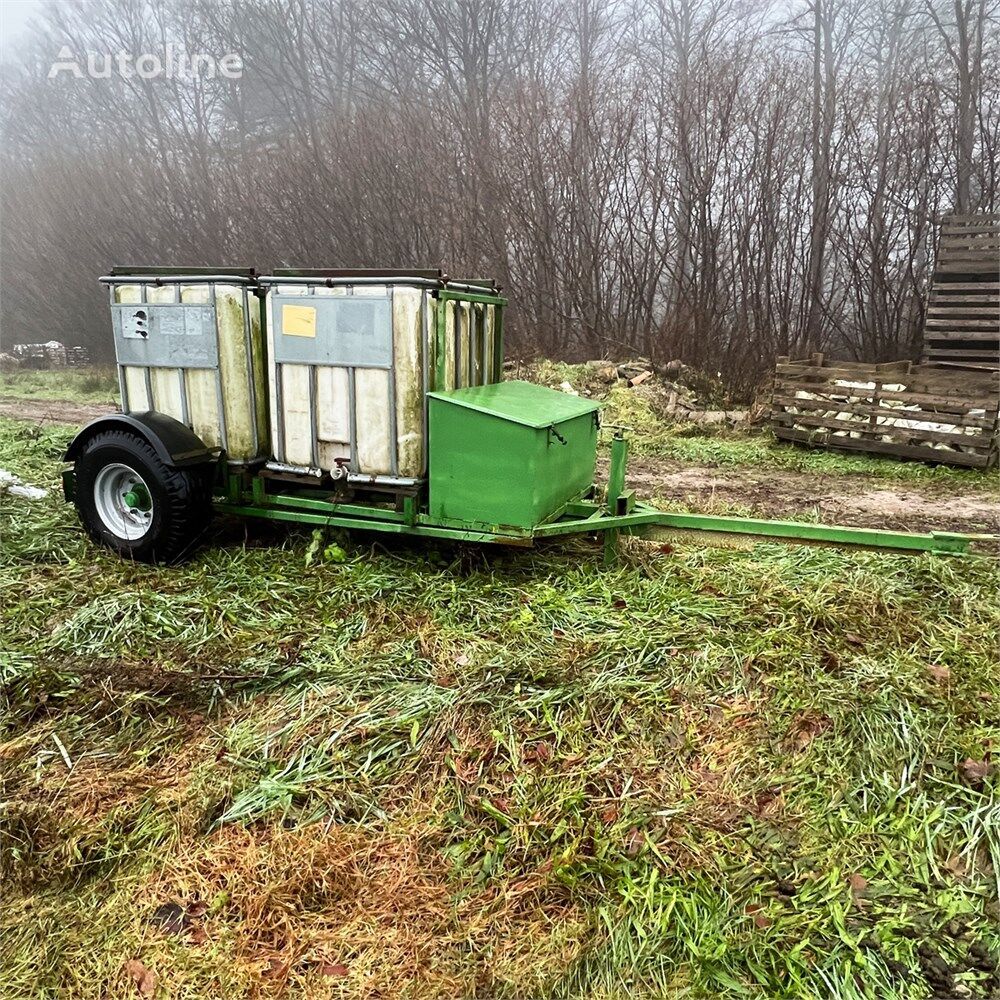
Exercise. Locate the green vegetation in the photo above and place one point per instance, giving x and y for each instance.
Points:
(77, 385)
(759, 449)
(710, 391)
(344, 768)
(639, 410)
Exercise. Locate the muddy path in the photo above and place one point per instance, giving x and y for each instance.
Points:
(53, 411)
(858, 501)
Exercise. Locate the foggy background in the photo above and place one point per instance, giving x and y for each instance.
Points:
(711, 180)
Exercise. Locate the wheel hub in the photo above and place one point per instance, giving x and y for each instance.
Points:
(138, 498)
(123, 501)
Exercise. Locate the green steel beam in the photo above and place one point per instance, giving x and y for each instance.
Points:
(616, 475)
(597, 520)
(489, 300)
(583, 517)
(411, 510)
(276, 513)
(317, 510)
(800, 531)
(498, 343)
(284, 501)
(645, 519)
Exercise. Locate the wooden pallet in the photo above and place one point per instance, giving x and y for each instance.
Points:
(901, 409)
(962, 327)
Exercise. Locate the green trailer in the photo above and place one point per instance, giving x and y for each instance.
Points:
(364, 400)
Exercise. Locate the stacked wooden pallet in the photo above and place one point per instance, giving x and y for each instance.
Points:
(962, 329)
(901, 409)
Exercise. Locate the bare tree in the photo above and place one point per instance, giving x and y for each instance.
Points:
(715, 180)
(961, 27)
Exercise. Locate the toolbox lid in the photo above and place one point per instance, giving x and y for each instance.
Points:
(520, 402)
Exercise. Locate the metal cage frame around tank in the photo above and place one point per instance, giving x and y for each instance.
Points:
(432, 284)
(247, 281)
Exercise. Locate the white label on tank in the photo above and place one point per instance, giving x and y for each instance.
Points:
(135, 324)
(195, 321)
(170, 321)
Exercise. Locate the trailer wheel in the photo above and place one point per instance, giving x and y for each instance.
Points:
(130, 500)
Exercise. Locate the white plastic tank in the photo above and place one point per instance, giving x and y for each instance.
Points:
(352, 355)
(191, 346)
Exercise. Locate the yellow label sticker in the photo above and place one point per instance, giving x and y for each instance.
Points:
(298, 321)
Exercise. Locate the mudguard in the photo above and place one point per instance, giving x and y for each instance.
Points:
(174, 443)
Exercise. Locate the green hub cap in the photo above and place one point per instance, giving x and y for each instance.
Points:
(138, 498)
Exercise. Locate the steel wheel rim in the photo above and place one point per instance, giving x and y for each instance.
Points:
(123, 502)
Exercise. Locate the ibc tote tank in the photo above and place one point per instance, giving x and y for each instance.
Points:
(189, 344)
(351, 358)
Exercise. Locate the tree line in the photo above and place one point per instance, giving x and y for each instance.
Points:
(719, 181)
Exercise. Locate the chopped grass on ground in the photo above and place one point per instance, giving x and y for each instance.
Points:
(439, 771)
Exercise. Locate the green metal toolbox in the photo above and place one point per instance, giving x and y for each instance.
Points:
(510, 454)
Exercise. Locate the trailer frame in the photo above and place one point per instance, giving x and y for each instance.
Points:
(617, 514)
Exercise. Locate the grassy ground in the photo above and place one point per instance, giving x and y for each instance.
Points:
(77, 385)
(448, 772)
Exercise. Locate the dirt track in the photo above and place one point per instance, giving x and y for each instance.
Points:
(852, 500)
(861, 501)
(53, 411)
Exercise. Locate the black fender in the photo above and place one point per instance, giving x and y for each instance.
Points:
(174, 443)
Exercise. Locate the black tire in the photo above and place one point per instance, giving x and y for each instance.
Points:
(181, 498)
